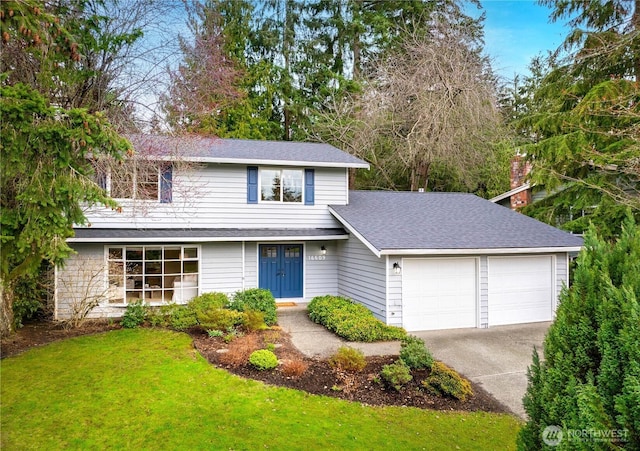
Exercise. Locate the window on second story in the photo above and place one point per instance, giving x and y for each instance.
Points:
(146, 181)
(281, 185)
(136, 183)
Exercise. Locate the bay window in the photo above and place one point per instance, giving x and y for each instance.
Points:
(153, 273)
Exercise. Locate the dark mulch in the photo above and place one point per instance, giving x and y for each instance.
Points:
(319, 378)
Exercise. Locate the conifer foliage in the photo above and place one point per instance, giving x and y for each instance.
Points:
(590, 377)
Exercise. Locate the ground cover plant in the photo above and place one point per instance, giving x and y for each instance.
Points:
(351, 321)
(149, 388)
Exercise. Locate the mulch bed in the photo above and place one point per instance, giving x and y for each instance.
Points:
(318, 378)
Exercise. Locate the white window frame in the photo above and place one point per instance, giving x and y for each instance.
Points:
(281, 170)
(134, 169)
(155, 288)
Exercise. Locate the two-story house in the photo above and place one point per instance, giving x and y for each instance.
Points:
(227, 215)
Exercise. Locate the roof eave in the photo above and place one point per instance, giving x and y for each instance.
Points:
(483, 251)
(207, 239)
(265, 162)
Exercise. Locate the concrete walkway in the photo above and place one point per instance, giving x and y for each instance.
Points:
(496, 358)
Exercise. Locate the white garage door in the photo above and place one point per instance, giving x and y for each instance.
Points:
(439, 293)
(520, 289)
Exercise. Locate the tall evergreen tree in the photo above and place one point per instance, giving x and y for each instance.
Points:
(584, 119)
(589, 379)
(295, 56)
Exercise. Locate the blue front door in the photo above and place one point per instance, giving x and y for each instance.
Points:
(281, 269)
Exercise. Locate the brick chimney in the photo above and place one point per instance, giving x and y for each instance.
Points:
(520, 168)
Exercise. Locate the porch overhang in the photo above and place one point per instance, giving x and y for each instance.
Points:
(202, 235)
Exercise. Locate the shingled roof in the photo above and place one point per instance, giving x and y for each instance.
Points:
(244, 151)
(442, 223)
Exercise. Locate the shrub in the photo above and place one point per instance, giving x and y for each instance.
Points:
(182, 318)
(351, 321)
(415, 354)
(446, 381)
(294, 368)
(207, 302)
(588, 377)
(220, 319)
(239, 350)
(396, 375)
(256, 299)
(348, 359)
(263, 359)
(134, 314)
(253, 320)
(158, 317)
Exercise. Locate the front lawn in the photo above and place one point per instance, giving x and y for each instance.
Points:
(149, 389)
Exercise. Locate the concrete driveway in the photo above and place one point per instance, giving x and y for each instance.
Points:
(496, 358)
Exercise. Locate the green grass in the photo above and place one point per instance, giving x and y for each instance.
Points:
(149, 389)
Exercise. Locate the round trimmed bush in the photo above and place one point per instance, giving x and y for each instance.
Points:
(348, 359)
(415, 354)
(446, 381)
(263, 359)
(396, 375)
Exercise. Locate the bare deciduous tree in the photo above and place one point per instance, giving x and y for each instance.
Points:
(430, 107)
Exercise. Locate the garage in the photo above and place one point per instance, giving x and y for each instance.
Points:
(520, 289)
(439, 293)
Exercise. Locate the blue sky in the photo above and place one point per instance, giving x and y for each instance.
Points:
(516, 31)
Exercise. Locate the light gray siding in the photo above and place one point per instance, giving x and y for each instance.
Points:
(250, 265)
(362, 276)
(215, 195)
(394, 292)
(562, 273)
(484, 292)
(83, 280)
(221, 267)
(321, 272)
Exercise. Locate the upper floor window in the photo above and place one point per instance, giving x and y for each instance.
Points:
(135, 180)
(281, 185)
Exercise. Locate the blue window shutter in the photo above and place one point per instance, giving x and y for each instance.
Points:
(252, 184)
(166, 184)
(101, 178)
(309, 187)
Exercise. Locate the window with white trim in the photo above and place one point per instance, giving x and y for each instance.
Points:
(153, 273)
(135, 182)
(281, 185)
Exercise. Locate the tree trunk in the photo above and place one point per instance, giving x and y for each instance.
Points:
(6, 309)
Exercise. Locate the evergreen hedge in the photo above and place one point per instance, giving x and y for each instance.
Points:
(589, 379)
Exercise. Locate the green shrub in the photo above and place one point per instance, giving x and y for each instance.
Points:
(182, 318)
(263, 359)
(396, 375)
(351, 321)
(348, 359)
(156, 317)
(221, 319)
(589, 374)
(253, 320)
(256, 299)
(446, 381)
(134, 314)
(208, 301)
(31, 293)
(415, 354)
